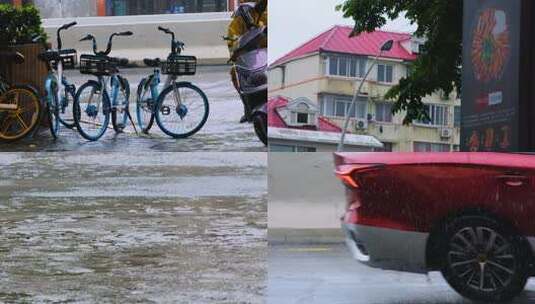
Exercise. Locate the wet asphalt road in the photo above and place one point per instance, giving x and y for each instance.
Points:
(327, 274)
(143, 228)
(222, 132)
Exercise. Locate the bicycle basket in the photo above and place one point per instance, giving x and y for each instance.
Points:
(97, 65)
(180, 65)
(68, 58)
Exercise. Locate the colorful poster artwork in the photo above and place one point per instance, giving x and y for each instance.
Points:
(490, 47)
(491, 61)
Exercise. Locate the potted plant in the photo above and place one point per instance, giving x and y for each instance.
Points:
(18, 26)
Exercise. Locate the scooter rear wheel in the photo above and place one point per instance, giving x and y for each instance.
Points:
(260, 127)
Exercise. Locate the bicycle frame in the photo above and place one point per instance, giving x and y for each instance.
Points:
(155, 82)
(114, 88)
(62, 86)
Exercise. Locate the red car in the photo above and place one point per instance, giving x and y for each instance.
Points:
(469, 215)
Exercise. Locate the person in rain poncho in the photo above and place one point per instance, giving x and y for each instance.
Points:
(238, 26)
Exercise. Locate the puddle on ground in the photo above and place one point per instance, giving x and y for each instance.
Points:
(180, 234)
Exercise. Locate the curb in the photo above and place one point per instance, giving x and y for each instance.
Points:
(277, 236)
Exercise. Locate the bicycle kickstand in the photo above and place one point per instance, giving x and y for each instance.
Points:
(132, 122)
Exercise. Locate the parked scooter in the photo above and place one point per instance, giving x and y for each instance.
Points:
(250, 61)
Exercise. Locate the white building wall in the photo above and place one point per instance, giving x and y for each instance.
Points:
(307, 78)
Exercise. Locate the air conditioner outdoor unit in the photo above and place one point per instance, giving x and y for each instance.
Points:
(361, 124)
(446, 133)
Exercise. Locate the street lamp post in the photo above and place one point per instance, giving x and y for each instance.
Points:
(387, 46)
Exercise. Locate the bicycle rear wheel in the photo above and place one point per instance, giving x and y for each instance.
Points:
(20, 110)
(91, 111)
(66, 108)
(182, 110)
(260, 127)
(144, 106)
(53, 113)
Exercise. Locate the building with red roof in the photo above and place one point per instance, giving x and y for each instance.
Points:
(295, 125)
(327, 69)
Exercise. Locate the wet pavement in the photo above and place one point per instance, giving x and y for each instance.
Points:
(222, 131)
(327, 274)
(142, 228)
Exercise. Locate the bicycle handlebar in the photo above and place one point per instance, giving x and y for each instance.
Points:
(68, 25)
(64, 27)
(165, 30)
(176, 46)
(127, 33)
(110, 42)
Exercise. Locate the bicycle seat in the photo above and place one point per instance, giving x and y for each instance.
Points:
(17, 57)
(152, 62)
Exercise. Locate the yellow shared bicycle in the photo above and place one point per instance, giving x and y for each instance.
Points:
(20, 108)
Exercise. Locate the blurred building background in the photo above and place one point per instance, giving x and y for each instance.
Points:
(93, 8)
(327, 69)
(200, 24)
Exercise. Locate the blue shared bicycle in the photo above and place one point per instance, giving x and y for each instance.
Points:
(109, 95)
(59, 96)
(180, 109)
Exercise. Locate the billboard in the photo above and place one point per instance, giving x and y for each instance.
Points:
(491, 62)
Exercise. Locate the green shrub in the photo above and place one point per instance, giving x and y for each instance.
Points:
(19, 24)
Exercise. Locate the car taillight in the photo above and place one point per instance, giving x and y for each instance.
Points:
(347, 179)
(347, 173)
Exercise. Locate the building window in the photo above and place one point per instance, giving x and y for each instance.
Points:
(387, 147)
(302, 118)
(342, 66)
(304, 149)
(438, 116)
(385, 73)
(457, 117)
(339, 106)
(333, 65)
(153, 7)
(383, 112)
(301, 113)
(289, 148)
(346, 66)
(430, 147)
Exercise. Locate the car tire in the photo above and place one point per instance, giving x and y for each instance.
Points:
(484, 260)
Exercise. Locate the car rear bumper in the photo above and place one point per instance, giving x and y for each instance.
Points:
(387, 249)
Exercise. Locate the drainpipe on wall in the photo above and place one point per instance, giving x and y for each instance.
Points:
(283, 76)
(101, 7)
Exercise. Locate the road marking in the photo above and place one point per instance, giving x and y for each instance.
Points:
(311, 249)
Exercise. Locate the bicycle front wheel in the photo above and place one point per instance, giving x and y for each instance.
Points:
(144, 106)
(53, 113)
(91, 111)
(119, 115)
(20, 110)
(182, 110)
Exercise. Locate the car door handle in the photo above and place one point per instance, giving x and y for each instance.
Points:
(514, 180)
